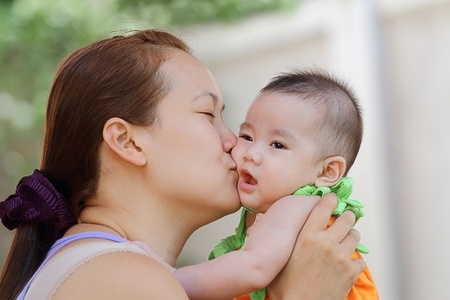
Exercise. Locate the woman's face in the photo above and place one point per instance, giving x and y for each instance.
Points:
(191, 163)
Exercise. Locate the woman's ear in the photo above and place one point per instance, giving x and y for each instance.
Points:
(121, 138)
(333, 169)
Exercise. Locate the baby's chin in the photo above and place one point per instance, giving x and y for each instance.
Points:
(256, 205)
(247, 202)
(252, 207)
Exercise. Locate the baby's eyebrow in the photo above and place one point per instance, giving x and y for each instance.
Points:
(276, 132)
(282, 133)
(246, 125)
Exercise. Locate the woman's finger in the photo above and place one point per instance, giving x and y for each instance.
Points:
(342, 226)
(318, 219)
(350, 241)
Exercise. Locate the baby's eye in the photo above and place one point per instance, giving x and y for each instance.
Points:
(246, 137)
(278, 145)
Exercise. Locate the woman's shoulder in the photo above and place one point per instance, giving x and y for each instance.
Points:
(121, 275)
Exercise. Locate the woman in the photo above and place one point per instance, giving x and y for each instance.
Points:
(136, 158)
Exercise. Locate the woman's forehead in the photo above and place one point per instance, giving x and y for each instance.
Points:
(189, 79)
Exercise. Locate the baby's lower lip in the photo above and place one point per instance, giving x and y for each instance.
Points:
(245, 186)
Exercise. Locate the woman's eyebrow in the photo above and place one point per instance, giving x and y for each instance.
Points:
(213, 96)
(206, 93)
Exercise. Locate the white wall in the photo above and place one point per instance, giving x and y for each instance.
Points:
(418, 68)
(396, 56)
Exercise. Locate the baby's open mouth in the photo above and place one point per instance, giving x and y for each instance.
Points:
(247, 178)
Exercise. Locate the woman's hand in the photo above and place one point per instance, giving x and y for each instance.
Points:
(320, 266)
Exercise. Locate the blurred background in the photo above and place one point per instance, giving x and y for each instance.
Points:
(394, 53)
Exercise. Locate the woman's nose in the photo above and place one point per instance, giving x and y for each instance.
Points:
(228, 139)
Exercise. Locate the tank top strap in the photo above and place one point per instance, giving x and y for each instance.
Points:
(59, 244)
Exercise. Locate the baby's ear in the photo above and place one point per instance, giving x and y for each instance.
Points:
(333, 169)
(121, 138)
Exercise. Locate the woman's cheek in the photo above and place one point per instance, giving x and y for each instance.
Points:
(236, 153)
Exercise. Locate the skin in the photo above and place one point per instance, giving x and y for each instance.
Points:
(244, 271)
(276, 152)
(333, 272)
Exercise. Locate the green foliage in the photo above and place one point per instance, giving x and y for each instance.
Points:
(36, 34)
(179, 12)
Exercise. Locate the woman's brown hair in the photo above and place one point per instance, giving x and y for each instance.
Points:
(114, 77)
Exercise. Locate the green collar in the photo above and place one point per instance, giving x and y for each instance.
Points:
(342, 189)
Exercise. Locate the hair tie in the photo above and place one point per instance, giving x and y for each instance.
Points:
(36, 201)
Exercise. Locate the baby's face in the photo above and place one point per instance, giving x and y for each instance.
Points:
(276, 150)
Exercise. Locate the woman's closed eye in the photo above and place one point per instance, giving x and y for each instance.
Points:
(209, 114)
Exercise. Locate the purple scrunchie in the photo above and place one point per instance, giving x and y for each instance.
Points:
(35, 201)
